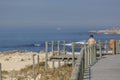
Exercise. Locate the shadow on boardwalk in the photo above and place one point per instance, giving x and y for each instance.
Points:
(87, 74)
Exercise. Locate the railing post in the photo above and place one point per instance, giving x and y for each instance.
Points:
(53, 54)
(33, 66)
(88, 49)
(90, 54)
(106, 46)
(117, 46)
(100, 49)
(95, 52)
(78, 71)
(64, 50)
(46, 56)
(64, 47)
(82, 64)
(81, 70)
(73, 53)
(86, 55)
(38, 61)
(0, 72)
(58, 47)
(58, 52)
(113, 49)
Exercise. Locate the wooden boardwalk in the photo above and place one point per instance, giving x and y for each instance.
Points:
(67, 57)
(107, 68)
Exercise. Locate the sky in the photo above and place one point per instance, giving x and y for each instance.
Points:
(59, 13)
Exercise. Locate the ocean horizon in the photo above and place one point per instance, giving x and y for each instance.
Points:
(35, 40)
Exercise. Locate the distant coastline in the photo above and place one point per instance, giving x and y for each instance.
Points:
(107, 31)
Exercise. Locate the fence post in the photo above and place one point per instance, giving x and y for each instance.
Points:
(86, 56)
(0, 72)
(117, 46)
(64, 47)
(94, 52)
(100, 49)
(53, 54)
(64, 50)
(106, 46)
(90, 54)
(58, 52)
(33, 66)
(46, 56)
(38, 62)
(88, 50)
(81, 71)
(73, 53)
(113, 49)
(93, 49)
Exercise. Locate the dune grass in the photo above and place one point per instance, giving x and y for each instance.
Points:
(61, 73)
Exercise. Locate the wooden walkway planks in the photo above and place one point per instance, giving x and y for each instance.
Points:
(108, 68)
(66, 57)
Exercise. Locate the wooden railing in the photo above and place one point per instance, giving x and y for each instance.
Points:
(86, 59)
(88, 56)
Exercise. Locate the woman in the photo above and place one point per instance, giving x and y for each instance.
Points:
(91, 40)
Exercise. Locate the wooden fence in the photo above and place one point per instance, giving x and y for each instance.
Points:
(87, 56)
(86, 59)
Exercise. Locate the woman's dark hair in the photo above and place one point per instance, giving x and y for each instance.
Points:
(91, 35)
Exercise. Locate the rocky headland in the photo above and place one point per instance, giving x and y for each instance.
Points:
(107, 31)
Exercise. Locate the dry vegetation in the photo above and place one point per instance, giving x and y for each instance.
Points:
(61, 73)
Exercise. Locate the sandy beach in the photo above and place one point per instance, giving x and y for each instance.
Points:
(16, 60)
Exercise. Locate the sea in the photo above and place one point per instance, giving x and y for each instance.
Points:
(34, 40)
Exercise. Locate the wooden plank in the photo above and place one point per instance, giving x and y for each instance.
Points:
(63, 57)
(107, 68)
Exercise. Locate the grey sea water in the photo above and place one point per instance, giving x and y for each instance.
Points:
(34, 40)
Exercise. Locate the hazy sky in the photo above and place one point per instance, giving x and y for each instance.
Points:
(59, 13)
